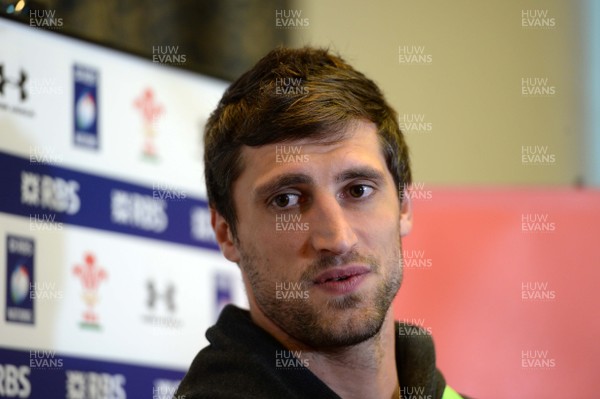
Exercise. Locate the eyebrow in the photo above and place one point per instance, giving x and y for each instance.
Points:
(291, 179)
(362, 172)
(285, 180)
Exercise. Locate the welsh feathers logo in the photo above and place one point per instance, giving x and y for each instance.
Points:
(90, 275)
(150, 110)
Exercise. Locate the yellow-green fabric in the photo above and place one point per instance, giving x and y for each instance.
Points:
(450, 393)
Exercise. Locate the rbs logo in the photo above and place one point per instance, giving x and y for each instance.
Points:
(14, 382)
(49, 192)
(90, 385)
(136, 210)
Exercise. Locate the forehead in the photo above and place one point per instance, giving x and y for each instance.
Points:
(358, 145)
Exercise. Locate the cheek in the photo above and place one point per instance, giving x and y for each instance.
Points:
(380, 228)
(382, 237)
(273, 250)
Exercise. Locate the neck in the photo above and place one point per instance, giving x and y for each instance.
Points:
(365, 370)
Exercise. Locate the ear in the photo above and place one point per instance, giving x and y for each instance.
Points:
(224, 236)
(406, 214)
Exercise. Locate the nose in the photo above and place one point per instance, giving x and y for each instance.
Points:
(330, 230)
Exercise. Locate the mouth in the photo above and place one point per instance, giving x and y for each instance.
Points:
(342, 280)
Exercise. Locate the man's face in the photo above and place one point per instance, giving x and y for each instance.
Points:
(319, 236)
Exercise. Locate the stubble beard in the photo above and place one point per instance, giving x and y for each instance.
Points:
(341, 321)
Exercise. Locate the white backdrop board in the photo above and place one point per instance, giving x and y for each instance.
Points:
(110, 270)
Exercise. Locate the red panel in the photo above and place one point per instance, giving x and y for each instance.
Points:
(513, 307)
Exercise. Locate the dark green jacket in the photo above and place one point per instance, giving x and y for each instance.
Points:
(242, 362)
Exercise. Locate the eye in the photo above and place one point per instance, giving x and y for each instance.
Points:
(285, 200)
(360, 190)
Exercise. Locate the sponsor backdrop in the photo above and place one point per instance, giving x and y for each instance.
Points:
(110, 272)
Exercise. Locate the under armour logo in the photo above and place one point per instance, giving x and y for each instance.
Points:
(19, 84)
(168, 295)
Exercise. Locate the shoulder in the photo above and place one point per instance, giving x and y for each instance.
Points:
(416, 362)
(241, 362)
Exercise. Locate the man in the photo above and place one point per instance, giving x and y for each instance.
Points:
(305, 169)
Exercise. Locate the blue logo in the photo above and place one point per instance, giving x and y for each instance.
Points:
(223, 293)
(19, 275)
(85, 107)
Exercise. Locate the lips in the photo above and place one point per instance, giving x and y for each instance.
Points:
(340, 274)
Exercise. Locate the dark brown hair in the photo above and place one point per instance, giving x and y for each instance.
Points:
(288, 95)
